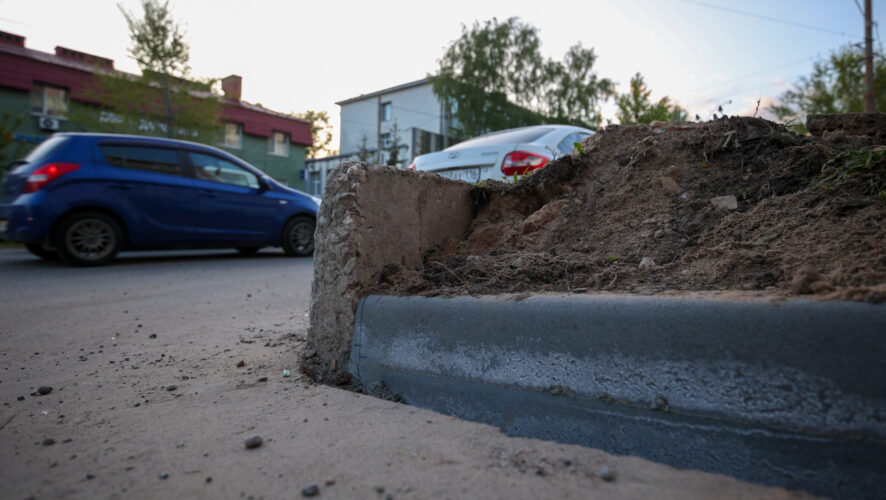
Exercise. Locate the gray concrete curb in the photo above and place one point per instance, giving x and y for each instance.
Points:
(779, 393)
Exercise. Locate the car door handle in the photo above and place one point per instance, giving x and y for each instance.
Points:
(120, 185)
(208, 194)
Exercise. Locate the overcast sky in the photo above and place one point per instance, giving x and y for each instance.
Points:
(296, 55)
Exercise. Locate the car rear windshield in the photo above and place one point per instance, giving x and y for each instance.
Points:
(518, 136)
(39, 155)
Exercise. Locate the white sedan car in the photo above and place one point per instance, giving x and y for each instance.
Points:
(502, 154)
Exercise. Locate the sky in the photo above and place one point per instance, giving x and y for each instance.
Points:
(295, 55)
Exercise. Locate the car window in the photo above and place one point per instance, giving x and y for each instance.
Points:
(40, 153)
(213, 168)
(519, 136)
(148, 158)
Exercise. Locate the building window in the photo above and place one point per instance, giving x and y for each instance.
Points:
(386, 141)
(279, 144)
(49, 100)
(233, 135)
(386, 109)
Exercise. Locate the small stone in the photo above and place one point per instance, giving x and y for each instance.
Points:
(171, 388)
(263, 379)
(660, 403)
(310, 491)
(152, 336)
(330, 482)
(659, 234)
(286, 373)
(163, 476)
(241, 364)
(253, 442)
(21, 398)
(48, 442)
(646, 263)
(579, 290)
(725, 202)
(44, 390)
(90, 476)
(209, 479)
(669, 185)
(379, 489)
(606, 474)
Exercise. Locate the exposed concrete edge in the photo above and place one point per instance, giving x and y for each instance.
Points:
(371, 216)
(793, 365)
(810, 371)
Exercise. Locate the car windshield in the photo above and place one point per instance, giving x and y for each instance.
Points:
(518, 136)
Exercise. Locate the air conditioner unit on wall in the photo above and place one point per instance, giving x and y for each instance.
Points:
(47, 123)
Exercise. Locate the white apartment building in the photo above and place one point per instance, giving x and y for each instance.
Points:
(370, 122)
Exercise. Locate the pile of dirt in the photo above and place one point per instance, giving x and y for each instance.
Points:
(730, 204)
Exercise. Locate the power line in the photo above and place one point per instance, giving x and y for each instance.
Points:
(773, 19)
(756, 73)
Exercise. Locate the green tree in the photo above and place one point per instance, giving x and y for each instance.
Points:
(165, 99)
(393, 146)
(321, 133)
(10, 148)
(494, 77)
(363, 151)
(836, 85)
(635, 106)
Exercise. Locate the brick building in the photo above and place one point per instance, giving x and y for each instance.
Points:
(39, 90)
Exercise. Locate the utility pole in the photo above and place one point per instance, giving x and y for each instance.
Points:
(870, 104)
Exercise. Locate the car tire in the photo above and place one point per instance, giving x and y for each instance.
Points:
(298, 237)
(248, 250)
(41, 252)
(88, 239)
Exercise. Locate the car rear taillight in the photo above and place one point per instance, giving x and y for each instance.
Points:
(411, 166)
(519, 162)
(46, 174)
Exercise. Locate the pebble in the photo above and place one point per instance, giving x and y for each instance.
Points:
(90, 476)
(241, 364)
(263, 379)
(152, 336)
(209, 479)
(660, 403)
(646, 263)
(163, 476)
(253, 442)
(48, 442)
(44, 390)
(310, 491)
(606, 474)
(171, 388)
(21, 398)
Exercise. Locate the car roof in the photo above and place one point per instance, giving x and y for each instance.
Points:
(133, 137)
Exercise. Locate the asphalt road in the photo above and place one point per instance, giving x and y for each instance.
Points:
(163, 364)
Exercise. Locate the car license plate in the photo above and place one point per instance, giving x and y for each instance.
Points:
(462, 174)
(4, 224)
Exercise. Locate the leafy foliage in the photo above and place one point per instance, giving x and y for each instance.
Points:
(836, 85)
(635, 106)
(494, 77)
(321, 133)
(10, 148)
(393, 146)
(164, 100)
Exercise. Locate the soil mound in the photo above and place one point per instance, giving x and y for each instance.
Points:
(730, 204)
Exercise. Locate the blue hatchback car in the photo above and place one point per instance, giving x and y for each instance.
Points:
(84, 197)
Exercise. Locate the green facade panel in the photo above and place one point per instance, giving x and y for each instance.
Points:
(16, 118)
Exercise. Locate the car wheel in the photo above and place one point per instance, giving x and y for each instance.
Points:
(88, 239)
(248, 250)
(298, 237)
(41, 252)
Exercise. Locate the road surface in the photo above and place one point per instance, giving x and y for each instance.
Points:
(162, 364)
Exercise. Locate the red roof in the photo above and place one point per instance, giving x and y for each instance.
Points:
(22, 67)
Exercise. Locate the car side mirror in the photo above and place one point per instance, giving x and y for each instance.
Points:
(263, 184)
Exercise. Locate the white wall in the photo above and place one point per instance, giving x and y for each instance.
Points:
(414, 107)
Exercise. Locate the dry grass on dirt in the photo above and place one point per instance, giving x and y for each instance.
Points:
(648, 209)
